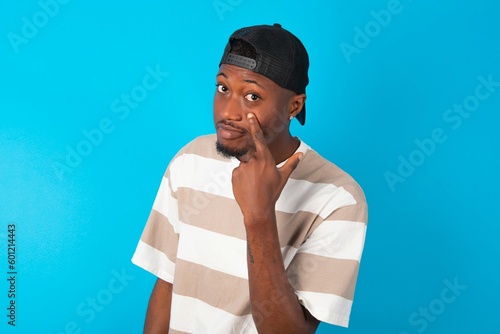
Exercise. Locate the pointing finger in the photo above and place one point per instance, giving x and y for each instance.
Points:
(256, 132)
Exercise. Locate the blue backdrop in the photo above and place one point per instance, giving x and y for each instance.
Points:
(96, 98)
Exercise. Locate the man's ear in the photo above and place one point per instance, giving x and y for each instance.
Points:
(296, 104)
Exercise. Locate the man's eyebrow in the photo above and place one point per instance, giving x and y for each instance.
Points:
(253, 82)
(222, 74)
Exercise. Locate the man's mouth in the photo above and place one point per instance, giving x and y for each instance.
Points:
(226, 130)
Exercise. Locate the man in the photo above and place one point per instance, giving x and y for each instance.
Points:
(252, 230)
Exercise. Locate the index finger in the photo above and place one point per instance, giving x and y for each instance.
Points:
(256, 133)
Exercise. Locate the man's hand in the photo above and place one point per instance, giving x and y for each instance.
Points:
(257, 182)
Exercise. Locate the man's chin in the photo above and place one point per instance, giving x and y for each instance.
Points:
(230, 152)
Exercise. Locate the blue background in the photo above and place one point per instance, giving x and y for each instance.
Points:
(78, 226)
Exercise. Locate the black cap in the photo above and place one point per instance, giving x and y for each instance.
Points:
(280, 56)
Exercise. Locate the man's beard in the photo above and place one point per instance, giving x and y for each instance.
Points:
(229, 152)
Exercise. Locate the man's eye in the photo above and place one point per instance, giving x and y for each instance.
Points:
(252, 97)
(221, 88)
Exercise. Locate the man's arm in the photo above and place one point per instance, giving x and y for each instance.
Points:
(257, 185)
(275, 307)
(158, 313)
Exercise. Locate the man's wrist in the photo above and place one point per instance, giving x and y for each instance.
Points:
(258, 217)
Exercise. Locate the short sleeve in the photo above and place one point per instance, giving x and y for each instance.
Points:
(324, 271)
(156, 251)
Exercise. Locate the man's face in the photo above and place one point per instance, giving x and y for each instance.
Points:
(238, 92)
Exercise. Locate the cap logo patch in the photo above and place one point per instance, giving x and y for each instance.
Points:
(234, 59)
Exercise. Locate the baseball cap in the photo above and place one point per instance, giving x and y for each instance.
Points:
(280, 56)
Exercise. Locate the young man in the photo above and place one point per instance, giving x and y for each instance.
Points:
(252, 230)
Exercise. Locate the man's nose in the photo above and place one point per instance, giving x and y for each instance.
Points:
(232, 109)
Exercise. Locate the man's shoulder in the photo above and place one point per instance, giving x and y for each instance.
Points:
(196, 157)
(317, 169)
(203, 146)
(201, 152)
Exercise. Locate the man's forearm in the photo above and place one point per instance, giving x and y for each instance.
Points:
(275, 308)
(158, 313)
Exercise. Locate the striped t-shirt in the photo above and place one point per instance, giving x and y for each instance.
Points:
(195, 239)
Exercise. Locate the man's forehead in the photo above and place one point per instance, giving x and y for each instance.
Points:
(236, 72)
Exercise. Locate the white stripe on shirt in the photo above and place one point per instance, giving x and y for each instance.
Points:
(154, 261)
(208, 319)
(338, 239)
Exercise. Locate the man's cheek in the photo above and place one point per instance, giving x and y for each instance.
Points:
(277, 125)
